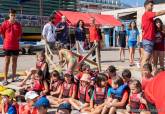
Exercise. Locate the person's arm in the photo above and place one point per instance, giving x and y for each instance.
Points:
(44, 33)
(159, 13)
(122, 102)
(62, 90)
(57, 92)
(46, 88)
(74, 89)
(59, 29)
(92, 100)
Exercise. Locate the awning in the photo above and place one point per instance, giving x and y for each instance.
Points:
(74, 17)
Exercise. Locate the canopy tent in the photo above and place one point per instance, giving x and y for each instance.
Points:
(73, 17)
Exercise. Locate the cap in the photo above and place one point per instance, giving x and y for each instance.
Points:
(148, 1)
(8, 92)
(43, 101)
(112, 69)
(85, 77)
(66, 106)
(31, 95)
(2, 88)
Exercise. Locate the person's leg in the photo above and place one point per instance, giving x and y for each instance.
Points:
(123, 49)
(120, 51)
(155, 60)
(75, 103)
(105, 110)
(130, 55)
(14, 66)
(6, 67)
(112, 110)
(133, 54)
(161, 59)
(78, 47)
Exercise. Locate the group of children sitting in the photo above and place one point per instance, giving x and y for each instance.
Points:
(87, 91)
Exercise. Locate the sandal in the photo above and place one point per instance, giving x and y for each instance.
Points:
(4, 83)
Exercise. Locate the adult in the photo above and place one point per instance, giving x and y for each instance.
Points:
(11, 32)
(63, 35)
(159, 44)
(93, 36)
(154, 93)
(121, 38)
(148, 29)
(80, 36)
(132, 38)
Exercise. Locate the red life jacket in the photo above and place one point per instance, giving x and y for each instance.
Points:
(67, 90)
(83, 94)
(100, 95)
(37, 86)
(56, 84)
(25, 109)
(135, 103)
(39, 64)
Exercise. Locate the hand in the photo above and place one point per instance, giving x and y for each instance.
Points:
(128, 108)
(51, 93)
(21, 84)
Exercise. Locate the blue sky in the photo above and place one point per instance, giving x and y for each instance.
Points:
(134, 2)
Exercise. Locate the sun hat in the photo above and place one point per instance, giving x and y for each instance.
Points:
(43, 101)
(31, 95)
(8, 92)
(66, 106)
(85, 77)
(2, 88)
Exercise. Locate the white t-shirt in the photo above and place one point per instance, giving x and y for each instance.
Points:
(49, 31)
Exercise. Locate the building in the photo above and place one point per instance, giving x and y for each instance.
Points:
(97, 6)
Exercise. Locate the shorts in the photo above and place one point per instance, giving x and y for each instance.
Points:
(148, 46)
(122, 44)
(132, 44)
(11, 52)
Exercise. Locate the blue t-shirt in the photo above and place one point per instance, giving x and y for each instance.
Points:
(132, 34)
(12, 110)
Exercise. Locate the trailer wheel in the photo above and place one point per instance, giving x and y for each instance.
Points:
(30, 52)
(23, 50)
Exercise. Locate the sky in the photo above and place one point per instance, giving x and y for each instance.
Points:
(133, 2)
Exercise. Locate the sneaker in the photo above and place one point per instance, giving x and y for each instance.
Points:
(4, 83)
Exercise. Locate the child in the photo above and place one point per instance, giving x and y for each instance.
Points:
(115, 95)
(41, 64)
(67, 57)
(146, 74)
(126, 76)
(31, 98)
(83, 94)
(8, 105)
(55, 84)
(64, 108)
(100, 92)
(38, 84)
(42, 105)
(136, 101)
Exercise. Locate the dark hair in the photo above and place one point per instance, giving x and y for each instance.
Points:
(55, 73)
(51, 18)
(122, 25)
(12, 11)
(111, 69)
(101, 77)
(118, 80)
(137, 84)
(148, 67)
(126, 73)
(148, 1)
(130, 28)
(77, 25)
(158, 20)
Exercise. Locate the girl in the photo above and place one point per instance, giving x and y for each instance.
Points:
(159, 46)
(55, 84)
(122, 41)
(83, 94)
(132, 37)
(136, 101)
(117, 96)
(39, 84)
(67, 57)
(41, 64)
(99, 94)
(80, 36)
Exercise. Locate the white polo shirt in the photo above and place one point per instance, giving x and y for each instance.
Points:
(49, 31)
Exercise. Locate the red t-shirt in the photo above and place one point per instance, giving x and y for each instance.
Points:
(93, 34)
(11, 33)
(155, 92)
(148, 28)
